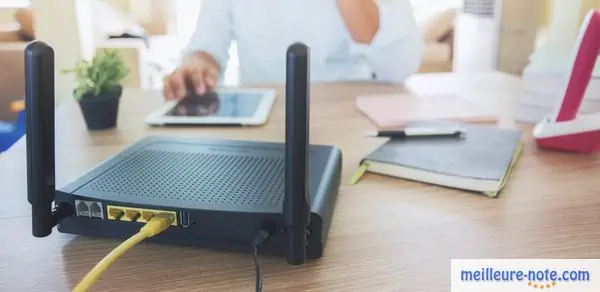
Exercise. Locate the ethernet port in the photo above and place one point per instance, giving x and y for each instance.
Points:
(132, 215)
(115, 213)
(147, 215)
(82, 209)
(96, 210)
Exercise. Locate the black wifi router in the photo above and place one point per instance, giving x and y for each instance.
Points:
(221, 192)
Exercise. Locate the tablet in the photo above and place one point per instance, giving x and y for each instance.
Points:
(219, 107)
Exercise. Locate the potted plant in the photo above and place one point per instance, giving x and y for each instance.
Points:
(98, 88)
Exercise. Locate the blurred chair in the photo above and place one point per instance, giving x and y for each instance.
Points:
(112, 29)
(12, 131)
(12, 75)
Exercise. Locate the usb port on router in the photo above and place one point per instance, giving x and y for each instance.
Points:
(184, 218)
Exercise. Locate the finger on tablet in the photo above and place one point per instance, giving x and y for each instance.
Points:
(196, 76)
(170, 87)
(177, 84)
(211, 77)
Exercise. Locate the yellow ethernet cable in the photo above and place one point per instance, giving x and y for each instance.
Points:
(156, 225)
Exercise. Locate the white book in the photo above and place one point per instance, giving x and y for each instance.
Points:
(544, 100)
(525, 113)
(554, 84)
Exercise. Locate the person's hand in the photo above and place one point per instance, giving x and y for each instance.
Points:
(199, 73)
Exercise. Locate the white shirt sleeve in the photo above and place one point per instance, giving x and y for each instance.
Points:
(214, 32)
(396, 50)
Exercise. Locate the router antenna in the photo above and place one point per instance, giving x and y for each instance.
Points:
(295, 205)
(39, 106)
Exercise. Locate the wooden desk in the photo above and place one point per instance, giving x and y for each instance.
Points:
(387, 234)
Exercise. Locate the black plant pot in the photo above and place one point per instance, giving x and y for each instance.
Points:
(101, 111)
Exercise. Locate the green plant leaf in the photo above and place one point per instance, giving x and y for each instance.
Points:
(103, 73)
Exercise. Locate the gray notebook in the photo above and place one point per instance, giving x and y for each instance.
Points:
(479, 161)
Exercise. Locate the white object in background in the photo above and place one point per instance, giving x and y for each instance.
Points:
(553, 56)
(552, 84)
(477, 35)
(72, 42)
(530, 110)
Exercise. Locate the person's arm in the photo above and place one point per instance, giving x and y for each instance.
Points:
(361, 18)
(213, 34)
(386, 33)
(205, 58)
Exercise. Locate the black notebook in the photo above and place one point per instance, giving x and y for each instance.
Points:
(481, 160)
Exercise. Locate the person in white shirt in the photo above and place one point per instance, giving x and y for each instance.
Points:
(349, 40)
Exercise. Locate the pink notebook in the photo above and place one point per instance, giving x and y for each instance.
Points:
(389, 111)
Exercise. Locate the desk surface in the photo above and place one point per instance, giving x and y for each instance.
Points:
(387, 234)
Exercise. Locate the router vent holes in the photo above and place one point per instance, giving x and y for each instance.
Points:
(203, 177)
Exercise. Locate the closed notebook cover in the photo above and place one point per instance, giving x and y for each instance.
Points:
(484, 153)
(388, 111)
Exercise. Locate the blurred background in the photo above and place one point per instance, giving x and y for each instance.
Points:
(460, 35)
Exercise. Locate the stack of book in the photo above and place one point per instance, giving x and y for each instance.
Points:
(542, 91)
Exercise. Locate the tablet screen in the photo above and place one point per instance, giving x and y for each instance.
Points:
(222, 104)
